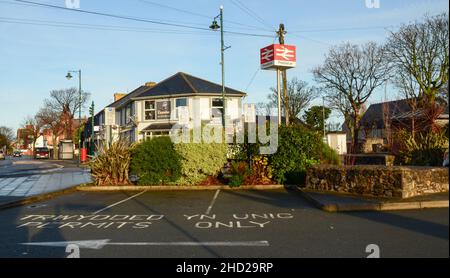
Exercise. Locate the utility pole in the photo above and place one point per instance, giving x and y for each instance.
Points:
(281, 32)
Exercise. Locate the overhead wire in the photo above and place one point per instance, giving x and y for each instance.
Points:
(139, 19)
(251, 13)
(203, 15)
(94, 26)
(256, 72)
(342, 29)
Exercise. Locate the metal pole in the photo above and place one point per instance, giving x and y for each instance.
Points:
(222, 50)
(92, 130)
(279, 96)
(323, 120)
(79, 117)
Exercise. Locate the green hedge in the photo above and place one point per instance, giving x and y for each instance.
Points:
(200, 160)
(156, 162)
(159, 161)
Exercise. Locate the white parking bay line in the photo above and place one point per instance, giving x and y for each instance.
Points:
(213, 201)
(99, 244)
(194, 243)
(115, 204)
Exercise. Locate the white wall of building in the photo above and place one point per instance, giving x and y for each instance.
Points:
(338, 142)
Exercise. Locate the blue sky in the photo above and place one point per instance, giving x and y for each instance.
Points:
(35, 58)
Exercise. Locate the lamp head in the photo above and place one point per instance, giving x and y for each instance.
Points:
(68, 76)
(214, 26)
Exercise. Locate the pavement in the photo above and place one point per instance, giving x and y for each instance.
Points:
(218, 224)
(332, 202)
(24, 177)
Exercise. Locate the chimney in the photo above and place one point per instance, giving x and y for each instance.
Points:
(150, 84)
(118, 96)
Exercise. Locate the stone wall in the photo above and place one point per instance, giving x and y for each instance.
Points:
(379, 181)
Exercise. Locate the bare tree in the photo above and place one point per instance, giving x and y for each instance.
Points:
(67, 102)
(300, 95)
(264, 108)
(410, 90)
(419, 52)
(51, 119)
(350, 74)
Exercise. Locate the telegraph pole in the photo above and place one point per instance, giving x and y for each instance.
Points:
(281, 32)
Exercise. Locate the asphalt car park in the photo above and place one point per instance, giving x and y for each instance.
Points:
(224, 224)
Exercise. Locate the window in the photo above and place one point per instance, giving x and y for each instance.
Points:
(149, 110)
(127, 113)
(181, 102)
(217, 107)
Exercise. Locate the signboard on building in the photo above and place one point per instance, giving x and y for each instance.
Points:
(278, 56)
(163, 110)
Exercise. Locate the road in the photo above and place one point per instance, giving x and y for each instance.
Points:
(220, 224)
(23, 166)
(24, 177)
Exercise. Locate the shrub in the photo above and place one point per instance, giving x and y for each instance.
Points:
(329, 156)
(156, 162)
(112, 164)
(239, 171)
(426, 149)
(200, 160)
(298, 148)
(261, 171)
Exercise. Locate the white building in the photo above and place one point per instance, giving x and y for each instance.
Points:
(153, 109)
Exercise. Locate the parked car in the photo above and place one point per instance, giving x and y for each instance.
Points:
(446, 162)
(2, 155)
(17, 154)
(42, 153)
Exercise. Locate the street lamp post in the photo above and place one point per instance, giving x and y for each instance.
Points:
(69, 76)
(214, 26)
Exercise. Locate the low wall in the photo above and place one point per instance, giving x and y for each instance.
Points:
(379, 181)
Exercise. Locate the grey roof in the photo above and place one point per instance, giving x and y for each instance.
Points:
(183, 83)
(127, 97)
(398, 109)
(179, 83)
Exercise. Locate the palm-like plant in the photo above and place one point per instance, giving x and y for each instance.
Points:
(112, 164)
